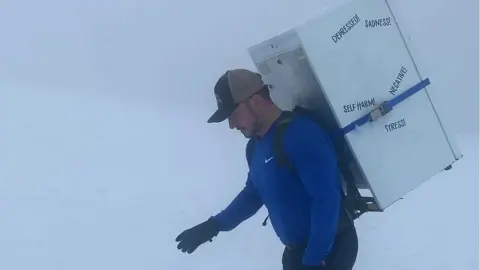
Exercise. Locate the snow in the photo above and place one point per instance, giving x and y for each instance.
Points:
(107, 157)
(91, 182)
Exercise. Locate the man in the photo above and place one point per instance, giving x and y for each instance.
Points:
(304, 207)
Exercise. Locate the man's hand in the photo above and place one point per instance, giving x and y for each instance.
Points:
(316, 267)
(192, 238)
(292, 260)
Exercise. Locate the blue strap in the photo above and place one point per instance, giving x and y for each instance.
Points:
(387, 106)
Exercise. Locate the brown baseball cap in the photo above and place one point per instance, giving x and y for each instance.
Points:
(232, 88)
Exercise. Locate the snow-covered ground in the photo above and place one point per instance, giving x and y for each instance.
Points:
(91, 182)
(105, 154)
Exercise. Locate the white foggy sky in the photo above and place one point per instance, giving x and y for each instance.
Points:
(104, 105)
(146, 49)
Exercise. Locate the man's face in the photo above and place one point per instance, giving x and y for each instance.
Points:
(244, 119)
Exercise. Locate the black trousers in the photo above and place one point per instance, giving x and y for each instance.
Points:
(342, 256)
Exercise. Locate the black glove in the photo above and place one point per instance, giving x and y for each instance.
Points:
(192, 238)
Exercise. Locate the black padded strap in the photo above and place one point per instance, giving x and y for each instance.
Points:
(249, 150)
(282, 124)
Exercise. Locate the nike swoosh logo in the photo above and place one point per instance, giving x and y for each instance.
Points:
(267, 160)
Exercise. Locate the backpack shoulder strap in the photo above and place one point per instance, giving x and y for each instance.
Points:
(278, 150)
(282, 124)
(283, 159)
(249, 150)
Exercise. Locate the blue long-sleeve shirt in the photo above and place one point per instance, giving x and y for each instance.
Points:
(303, 206)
